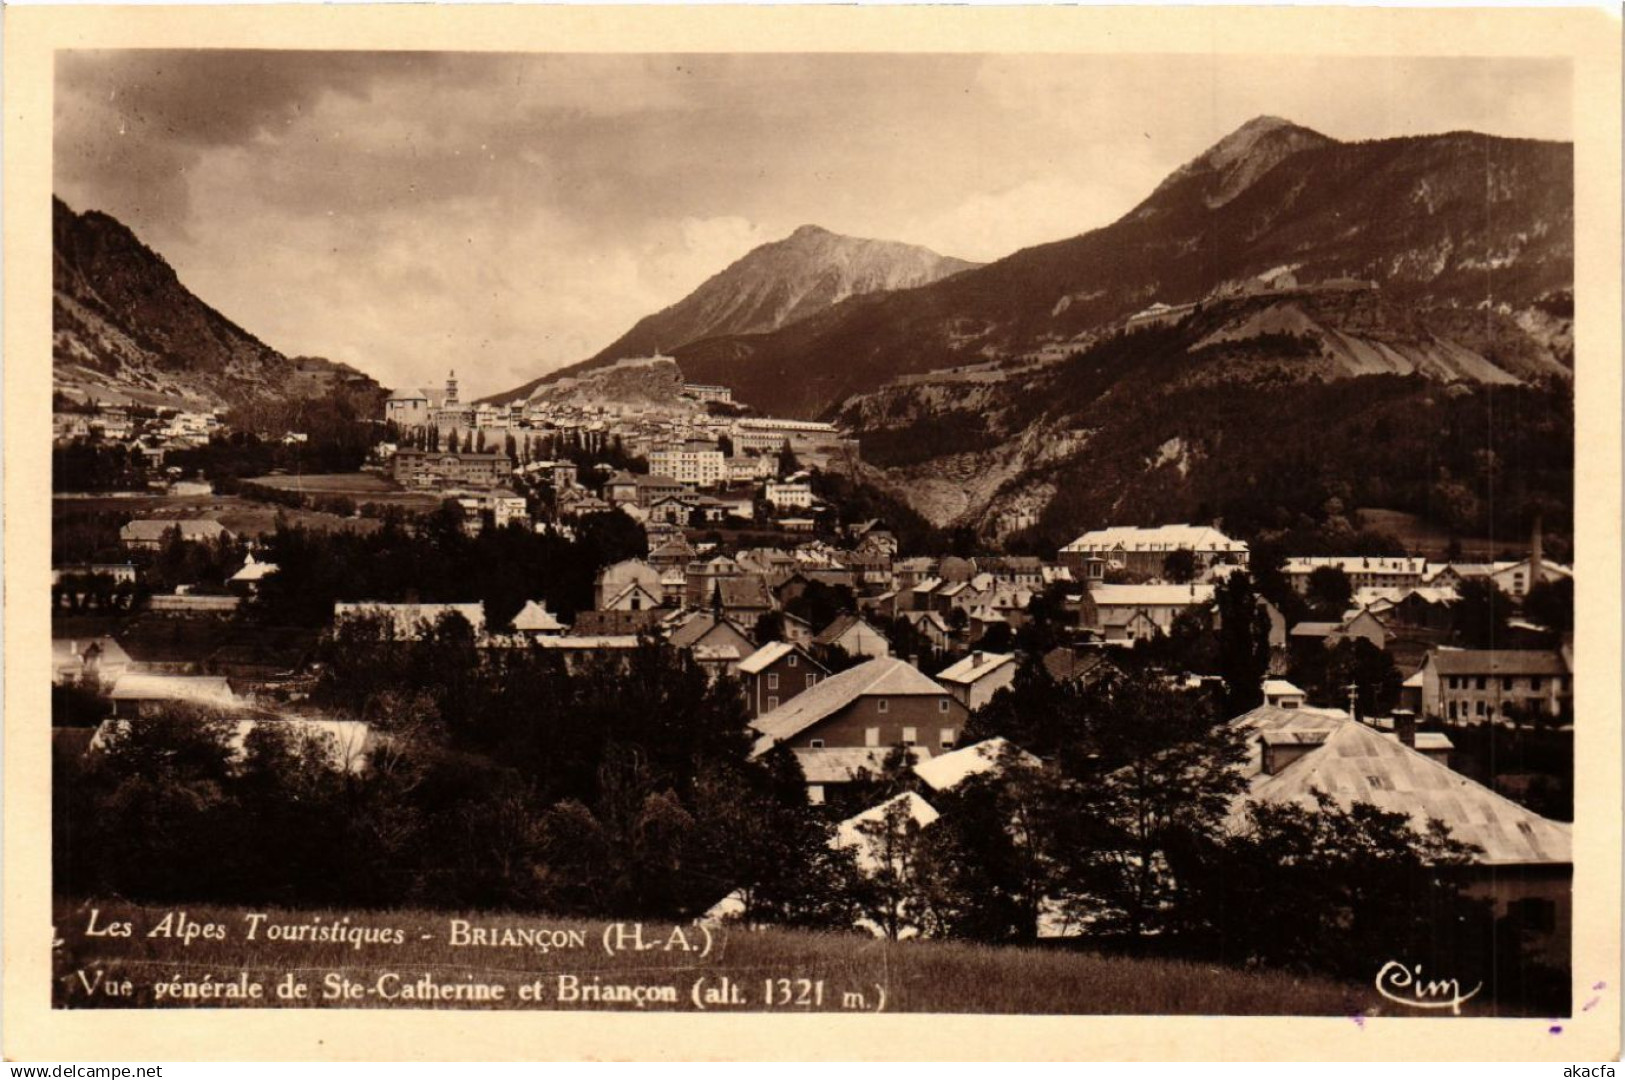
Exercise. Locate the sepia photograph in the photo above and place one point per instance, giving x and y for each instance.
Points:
(833, 532)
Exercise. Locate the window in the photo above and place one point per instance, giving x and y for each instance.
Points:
(1453, 685)
(946, 741)
(816, 744)
(1534, 683)
(815, 794)
(772, 680)
(871, 736)
(883, 705)
(942, 705)
(1483, 682)
(772, 703)
(792, 662)
(812, 678)
(910, 736)
(1506, 682)
(1480, 709)
(1452, 710)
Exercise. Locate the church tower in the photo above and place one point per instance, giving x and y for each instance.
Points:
(451, 387)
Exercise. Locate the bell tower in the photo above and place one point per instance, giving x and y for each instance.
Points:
(451, 387)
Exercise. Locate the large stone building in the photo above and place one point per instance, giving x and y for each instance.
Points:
(693, 463)
(1144, 550)
(439, 468)
(1479, 686)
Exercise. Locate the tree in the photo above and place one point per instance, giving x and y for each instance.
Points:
(1551, 604)
(1329, 591)
(1481, 613)
(1151, 792)
(1244, 643)
(1179, 566)
(1327, 673)
(1328, 888)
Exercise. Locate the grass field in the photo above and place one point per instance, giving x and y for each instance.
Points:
(1422, 538)
(741, 969)
(244, 517)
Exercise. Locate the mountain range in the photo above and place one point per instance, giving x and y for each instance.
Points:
(125, 330)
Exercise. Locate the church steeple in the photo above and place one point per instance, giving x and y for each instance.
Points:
(451, 387)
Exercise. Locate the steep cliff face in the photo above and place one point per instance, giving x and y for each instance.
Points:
(126, 329)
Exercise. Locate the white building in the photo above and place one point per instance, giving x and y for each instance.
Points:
(789, 494)
(1143, 550)
(695, 464)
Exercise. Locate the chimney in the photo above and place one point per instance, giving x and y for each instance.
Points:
(976, 659)
(1405, 727)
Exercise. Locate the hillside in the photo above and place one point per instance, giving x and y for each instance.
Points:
(772, 286)
(1271, 203)
(125, 329)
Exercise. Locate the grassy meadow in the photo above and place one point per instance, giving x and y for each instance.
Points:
(765, 970)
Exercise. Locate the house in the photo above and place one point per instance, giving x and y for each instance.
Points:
(408, 622)
(674, 551)
(348, 743)
(783, 495)
(578, 649)
(629, 585)
(1280, 694)
(974, 680)
(535, 620)
(744, 598)
(1515, 578)
(1482, 685)
(705, 629)
(855, 636)
(1066, 663)
(796, 630)
(1144, 550)
(830, 769)
(247, 580)
(1128, 613)
(931, 626)
(148, 534)
(1524, 865)
(578, 503)
(777, 672)
(947, 771)
(882, 702)
(138, 695)
(865, 833)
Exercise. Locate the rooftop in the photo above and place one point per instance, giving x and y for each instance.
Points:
(886, 676)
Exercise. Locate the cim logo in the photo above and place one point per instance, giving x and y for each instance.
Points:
(1405, 986)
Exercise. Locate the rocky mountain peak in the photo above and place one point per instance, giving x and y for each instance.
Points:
(1231, 165)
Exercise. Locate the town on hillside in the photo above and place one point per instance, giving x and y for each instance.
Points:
(716, 607)
(1046, 590)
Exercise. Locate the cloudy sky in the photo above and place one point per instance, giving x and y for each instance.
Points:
(508, 214)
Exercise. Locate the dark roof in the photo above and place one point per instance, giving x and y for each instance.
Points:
(614, 623)
(1499, 662)
(746, 591)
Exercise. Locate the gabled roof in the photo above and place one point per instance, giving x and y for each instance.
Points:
(840, 764)
(535, 617)
(1498, 662)
(839, 628)
(1357, 764)
(766, 656)
(933, 617)
(702, 625)
(254, 570)
(1281, 688)
(746, 591)
(975, 667)
(1064, 663)
(1315, 629)
(854, 831)
(949, 770)
(1271, 720)
(887, 676)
